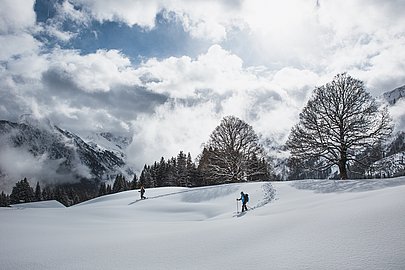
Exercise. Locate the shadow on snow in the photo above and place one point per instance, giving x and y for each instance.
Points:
(329, 186)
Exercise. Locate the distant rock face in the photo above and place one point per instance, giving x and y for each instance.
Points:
(53, 155)
(116, 143)
(393, 96)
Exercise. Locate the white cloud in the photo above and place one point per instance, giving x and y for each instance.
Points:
(131, 12)
(16, 15)
(210, 20)
(206, 89)
(17, 45)
(94, 72)
(202, 19)
(295, 79)
(264, 59)
(90, 118)
(174, 127)
(182, 77)
(397, 113)
(325, 36)
(65, 13)
(349, 19)
(66, 10)
(15, 164)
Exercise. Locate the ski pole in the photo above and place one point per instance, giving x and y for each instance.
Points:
(237, 206)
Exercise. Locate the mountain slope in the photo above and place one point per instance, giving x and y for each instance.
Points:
(109, 141)
(49, 154)
(393, 96)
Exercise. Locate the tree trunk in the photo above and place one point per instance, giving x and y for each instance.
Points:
(342, 169)
(343, 154)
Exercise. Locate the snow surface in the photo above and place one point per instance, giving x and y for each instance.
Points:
(310, 224)
(43, 204)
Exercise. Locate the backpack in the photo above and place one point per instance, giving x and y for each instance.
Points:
(246, 197)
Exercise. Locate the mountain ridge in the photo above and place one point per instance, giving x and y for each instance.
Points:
(393, 96)
(52, 155)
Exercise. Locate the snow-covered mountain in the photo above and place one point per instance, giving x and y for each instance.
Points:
(393, 96)
(108, 141)
(44, 152)
(393, 162)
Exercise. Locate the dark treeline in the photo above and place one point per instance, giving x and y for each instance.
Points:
(67, 194)
(183, 172)
(176, 171)
(120, 184)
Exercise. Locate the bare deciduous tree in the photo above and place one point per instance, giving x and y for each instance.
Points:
(339, 120)
(233, 153)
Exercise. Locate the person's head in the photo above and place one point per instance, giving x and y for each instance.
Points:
(241, 193)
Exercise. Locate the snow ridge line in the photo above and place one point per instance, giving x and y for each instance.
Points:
(174, 193)
(269, 194)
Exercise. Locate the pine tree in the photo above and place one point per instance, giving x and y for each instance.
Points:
(181, 169)
(38, 193)
(73, 196)
(134, 182)
(4, 200)
(22, 192)
(171, 172)
(153, 175)
(203, 167)
(118, 185)
(109, 189)
(162, 172)
(47, 194)
(146, 179)
(62, 197)
(102, 190)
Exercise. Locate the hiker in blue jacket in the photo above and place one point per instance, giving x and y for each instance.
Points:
(244, 201)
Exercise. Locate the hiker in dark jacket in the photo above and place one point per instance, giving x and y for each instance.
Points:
(244, 201)
(142, 191)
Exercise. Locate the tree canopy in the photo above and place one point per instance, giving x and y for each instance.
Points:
(340, 120)
(233, 153)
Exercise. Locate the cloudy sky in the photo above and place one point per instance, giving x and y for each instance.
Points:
(167, 71)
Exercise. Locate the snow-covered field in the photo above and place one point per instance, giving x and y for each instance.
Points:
(311, 224)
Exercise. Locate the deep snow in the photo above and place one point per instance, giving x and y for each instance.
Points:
(310, 224)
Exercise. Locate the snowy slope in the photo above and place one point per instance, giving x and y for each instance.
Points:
(43, 204)
(310, 224)
(107, 141)
(393, 96)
